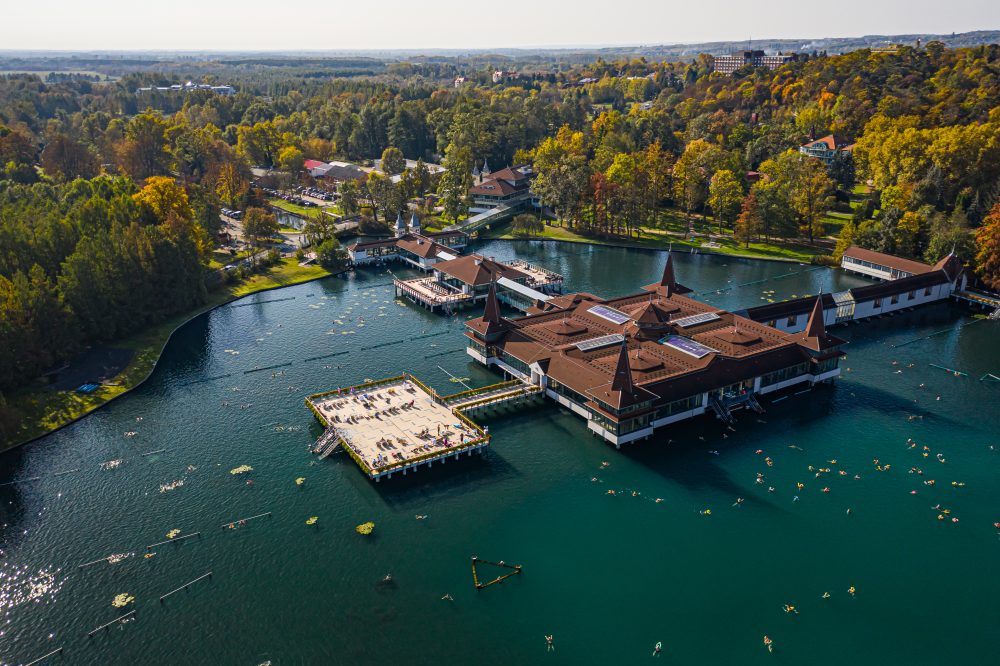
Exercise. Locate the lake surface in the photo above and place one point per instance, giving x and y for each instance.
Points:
(607, 576)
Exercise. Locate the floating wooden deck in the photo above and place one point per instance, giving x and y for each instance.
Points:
(399, 424)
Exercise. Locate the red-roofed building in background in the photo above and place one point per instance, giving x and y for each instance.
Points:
(507, 187)
(826, 148)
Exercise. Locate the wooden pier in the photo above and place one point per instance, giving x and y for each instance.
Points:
(400, 424)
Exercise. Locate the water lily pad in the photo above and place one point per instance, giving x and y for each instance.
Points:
(122, 600)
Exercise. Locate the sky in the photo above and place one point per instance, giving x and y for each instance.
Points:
(256, 25)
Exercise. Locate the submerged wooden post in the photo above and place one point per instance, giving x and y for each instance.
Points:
(44, 657)
(121, 618)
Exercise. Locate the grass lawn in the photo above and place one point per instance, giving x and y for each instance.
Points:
(301, 211)
(833, 222)
(45, 410)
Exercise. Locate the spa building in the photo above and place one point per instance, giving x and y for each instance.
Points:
(638, 363)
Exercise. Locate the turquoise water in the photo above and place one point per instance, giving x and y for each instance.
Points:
(608, 576)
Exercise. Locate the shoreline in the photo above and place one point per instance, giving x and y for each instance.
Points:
(632, 245)
(160, 347)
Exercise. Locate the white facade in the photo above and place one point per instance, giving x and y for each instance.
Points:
(872, 269)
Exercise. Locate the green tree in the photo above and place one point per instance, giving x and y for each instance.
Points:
(526, 224)
(811, 195)
(331, 255)
(291, 159)
(259, 226)
(393, 162)
(349, 198)
(144, 150)
(725, 196)
(454, 183)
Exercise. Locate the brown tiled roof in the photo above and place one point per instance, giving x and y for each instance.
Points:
(418, 244)
(900, 286)
(494, 188)
(509, 173)
(783, 309)
(880, 259)
(477, 270)
(815, 337)
(653, 366)
(951, 265)
(830, 141)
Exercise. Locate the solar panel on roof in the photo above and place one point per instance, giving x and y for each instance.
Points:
(612, 315)
(686, 345)
(695, 319)
(603, 341)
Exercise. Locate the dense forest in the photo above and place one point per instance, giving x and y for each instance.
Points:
(109, 199)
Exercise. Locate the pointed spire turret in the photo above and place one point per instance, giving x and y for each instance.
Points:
(400, 225)
(491, 314)
(622, 381)
(668, 284)
(815, 327)
(414, 223)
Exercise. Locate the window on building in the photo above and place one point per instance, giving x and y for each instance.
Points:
(791, 320)
(877, 303)
(772, 323)
(910, 296)
(927, 291)
(894, 299)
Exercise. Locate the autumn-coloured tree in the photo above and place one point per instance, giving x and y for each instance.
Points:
(231, 184)
(988, 248)
(748, 223)
(66, 159)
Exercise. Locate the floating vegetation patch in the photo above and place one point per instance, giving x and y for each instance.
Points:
(242, 469)
(173, 533)
(167, 487)
(299, 481)
(312, 520)
(365, 528)
(122, 600)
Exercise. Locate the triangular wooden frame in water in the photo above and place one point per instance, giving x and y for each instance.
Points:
(515, 570)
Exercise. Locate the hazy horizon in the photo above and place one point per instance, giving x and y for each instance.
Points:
(255, 26)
